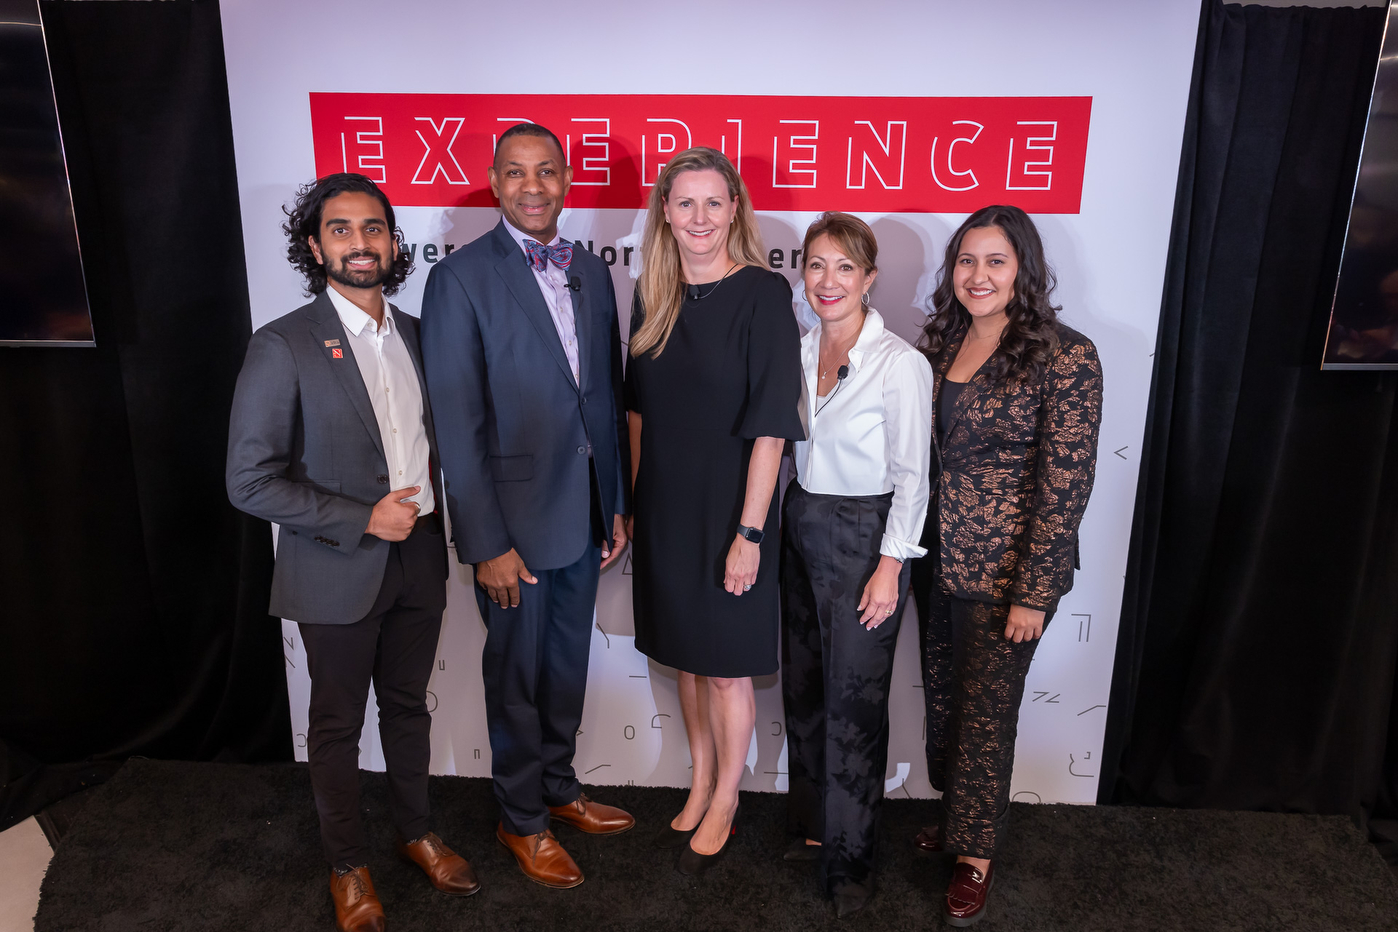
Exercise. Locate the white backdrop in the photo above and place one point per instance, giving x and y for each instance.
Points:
(1132, 59)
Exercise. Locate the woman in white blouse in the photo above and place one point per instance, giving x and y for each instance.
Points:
(850, 522)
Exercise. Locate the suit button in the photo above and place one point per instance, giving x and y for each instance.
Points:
(382, 480)
(584, 401)
(582, 450)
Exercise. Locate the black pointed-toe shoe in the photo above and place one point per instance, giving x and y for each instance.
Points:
(693, 863)
(669, 837)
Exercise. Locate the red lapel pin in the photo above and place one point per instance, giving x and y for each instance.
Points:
(338, 353)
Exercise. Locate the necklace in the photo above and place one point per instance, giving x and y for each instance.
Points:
(825, 370)
(844, 352)
(694, 289)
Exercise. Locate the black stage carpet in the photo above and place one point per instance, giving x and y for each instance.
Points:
(174, 846)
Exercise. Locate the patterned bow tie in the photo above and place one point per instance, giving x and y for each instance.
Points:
(540, 255)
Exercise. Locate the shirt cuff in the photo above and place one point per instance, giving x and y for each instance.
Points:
(900, 550)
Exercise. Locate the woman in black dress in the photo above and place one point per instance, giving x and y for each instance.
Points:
(1017, 402)
(713, 384)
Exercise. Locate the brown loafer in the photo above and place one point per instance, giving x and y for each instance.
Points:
(448, 871)
(965, 900)
(357, 906)
(929, 840)
(594, 818)
(541, 858)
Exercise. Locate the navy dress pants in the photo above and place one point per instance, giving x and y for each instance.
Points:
(535, 670)
(835, 679)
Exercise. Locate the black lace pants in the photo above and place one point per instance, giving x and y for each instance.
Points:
(974, 680)
(835, 676)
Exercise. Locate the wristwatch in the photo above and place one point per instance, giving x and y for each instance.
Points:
(753, 534)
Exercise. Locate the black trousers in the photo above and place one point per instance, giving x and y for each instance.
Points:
(973, 680)
(535, 670)
(835, 678)
(393, 646)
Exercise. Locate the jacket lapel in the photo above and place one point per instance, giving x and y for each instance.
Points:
(328, 328)
(513, 267)
(582, 323)
(407, 329)
(968, 393)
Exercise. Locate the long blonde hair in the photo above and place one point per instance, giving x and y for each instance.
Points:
(662, 283)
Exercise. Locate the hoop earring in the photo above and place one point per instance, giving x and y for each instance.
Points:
(864, 298)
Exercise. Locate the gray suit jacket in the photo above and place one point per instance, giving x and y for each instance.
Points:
(304, 451)
(515, 426)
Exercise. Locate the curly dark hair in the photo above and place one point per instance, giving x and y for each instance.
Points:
(303, 221)
(1030, 339)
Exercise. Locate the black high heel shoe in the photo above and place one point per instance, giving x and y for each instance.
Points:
(693, 863)
(669, 837)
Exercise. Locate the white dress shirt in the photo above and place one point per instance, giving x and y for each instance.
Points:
(391, 380)
(553, 285)
(873, 431)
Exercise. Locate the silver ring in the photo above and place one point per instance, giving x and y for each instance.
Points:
(889, 612)
(746, 588)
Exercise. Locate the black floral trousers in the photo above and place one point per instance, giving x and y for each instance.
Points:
(974, 680)
(835, 679)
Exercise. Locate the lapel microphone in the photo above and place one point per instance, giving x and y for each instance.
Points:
(574, 283)
(694, 292)
(840, 374)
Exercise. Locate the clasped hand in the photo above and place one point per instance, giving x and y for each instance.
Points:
(393, 518)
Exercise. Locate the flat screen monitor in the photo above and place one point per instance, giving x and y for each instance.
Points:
(43, 296)
(1363, 330)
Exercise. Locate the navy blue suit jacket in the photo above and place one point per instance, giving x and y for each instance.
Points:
(513, 427)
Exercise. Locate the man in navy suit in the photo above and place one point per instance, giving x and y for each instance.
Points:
(523, 356)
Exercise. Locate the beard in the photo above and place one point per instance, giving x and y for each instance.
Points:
(359, 278)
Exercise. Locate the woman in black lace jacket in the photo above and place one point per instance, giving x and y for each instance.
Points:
(1017, 402)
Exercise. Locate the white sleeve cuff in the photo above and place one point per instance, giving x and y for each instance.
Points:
(901, 550)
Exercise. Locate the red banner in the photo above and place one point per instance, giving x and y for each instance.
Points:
(875, 154)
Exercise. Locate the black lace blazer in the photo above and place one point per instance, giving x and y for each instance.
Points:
(1016, 470)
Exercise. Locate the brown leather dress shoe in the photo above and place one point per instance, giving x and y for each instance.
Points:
(965, 900)
(593, 818)
(448, 871)
(357, 906)
(541, 858)
(929, 840)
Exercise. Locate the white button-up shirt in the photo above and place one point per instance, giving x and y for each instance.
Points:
(553, 285)
(873, 432)
(391, 380)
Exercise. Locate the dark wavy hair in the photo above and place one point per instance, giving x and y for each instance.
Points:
(1030, 339)
(303, 221)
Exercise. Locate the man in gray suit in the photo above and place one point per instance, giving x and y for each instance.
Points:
(331, 438)
(524, 358)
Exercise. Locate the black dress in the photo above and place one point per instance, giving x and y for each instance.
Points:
(731, 372)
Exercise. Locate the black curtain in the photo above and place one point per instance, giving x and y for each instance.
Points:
(134, 596)
(1259, 632)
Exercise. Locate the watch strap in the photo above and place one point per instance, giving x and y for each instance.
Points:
(753, 534)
